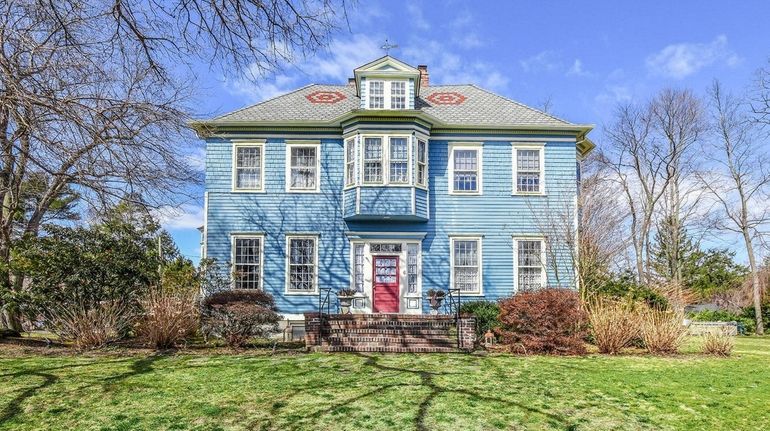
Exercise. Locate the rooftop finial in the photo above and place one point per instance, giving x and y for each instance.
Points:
(388, 46)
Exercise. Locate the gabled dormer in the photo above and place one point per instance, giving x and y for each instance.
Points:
(387, 84)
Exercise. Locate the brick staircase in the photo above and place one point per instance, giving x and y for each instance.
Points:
(387, 333)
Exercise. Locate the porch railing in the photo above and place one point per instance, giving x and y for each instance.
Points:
(453, 303)
(324, 303)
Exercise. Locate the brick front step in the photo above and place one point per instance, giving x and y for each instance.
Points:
(367, 349)
(390, 341)
(417, 332)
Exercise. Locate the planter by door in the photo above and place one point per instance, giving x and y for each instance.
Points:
(385, 284)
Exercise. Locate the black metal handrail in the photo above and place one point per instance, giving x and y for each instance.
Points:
(324, 295)
(454, 303)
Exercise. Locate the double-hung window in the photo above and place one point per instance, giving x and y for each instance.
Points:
(466, 264)
(465, 165)
(528, 170)
(399, 161)
(372, 160)
(303, 167)
(530, 264)
(398, 95)
(387, 94)
(247, 261)
(422, 163)
(301, 264)
(377, 94)
(350, 162)
(248, 167)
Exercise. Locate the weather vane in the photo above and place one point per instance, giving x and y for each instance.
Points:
(388, 46)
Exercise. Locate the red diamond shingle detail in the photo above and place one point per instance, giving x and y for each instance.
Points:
(325, 97)
(446, 98)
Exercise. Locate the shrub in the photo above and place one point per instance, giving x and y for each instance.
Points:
(718, 344)
(92, 327)
(168, 319)
(487, 314)
(238, 315)
(663, 331)
(614, 325)
(543, 321)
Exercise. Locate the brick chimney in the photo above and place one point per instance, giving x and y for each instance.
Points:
(351, 81)
(424, 77)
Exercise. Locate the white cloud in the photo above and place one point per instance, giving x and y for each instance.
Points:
(544, 61)
(684, 59)
(468, 40)
(614, 94)
(185, 217)
(417, 16)
(577, 69)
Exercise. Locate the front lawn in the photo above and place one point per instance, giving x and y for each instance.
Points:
(382, 392)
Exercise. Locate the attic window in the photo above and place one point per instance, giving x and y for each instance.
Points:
(387, 94)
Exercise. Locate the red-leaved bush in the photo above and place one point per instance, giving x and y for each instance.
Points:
(543, 321)
(239, 315)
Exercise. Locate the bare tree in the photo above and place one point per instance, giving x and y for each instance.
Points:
(94, 97)
(740, 181)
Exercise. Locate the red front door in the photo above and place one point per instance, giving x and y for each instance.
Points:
(385, 284)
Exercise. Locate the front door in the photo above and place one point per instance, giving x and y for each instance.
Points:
(385, 284)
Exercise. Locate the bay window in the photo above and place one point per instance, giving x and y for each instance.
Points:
(372, 160)
(399, 160)
(422, 163)
(350, 162)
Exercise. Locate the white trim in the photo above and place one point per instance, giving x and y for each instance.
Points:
(346, 144)
(287, 165)
(261, 144)
(543, 256)
(287, 269)
(385, 160)
(249, 235)
(466, 237)
(417, 162)
(515, 147)
(386, 93)
(479, 148)
(408, 140)
(510, 138)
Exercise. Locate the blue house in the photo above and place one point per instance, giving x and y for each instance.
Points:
(391, 186)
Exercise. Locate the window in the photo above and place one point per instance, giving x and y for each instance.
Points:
(372, 160)
(301, 261)
(247, 262)
(302, 167)
(412, 259)
(387, 94)
(398, 95)
(466, 173)
(399, 161)
(528, 170)
(422, 163)
(385, 248)
(530, 264)
(376, 94)
(248, 163)
(358, 262)
(466, 265)
(350, 162)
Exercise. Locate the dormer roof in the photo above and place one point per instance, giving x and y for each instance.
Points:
(387, 67)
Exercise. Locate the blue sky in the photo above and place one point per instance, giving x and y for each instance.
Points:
(584, 57)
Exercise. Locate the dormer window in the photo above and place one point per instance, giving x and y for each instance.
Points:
(387, 94)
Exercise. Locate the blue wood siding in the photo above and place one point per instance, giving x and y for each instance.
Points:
(496, 215)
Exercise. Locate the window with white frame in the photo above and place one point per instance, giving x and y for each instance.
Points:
(301, 264)
(303, 167)
(372, 160)
(529, 264)
(466, 172)
(350, 162)
(412, 260)
(397, 95)
(377, 94)
(422, 163)
(466, 265)
(247, 262)
(528, 170)
(399, 160)
(247, 167)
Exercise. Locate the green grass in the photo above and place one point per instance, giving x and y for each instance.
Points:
(379, 392)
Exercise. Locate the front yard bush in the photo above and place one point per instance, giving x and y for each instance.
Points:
(168, 318)
(549, 321)
(663, 331)
(93, 326)
(239, 315)
(614, 324)
(487, 314)
(718, 344)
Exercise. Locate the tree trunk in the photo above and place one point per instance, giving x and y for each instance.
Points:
(755, 283)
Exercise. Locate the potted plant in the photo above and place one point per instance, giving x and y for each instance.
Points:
(346, 296)
(435, 299)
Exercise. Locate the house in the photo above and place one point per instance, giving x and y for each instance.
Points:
(391, 186)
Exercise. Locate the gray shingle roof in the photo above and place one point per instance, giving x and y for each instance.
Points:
(480, 107)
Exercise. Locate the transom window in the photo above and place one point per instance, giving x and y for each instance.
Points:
(529, 264)
(387, 94)
(466, 173)
(466, 264)
(301, 261)
(528, 170)
(248, 164)
(303, 172)
(399, 161)
(247, 262)
(385, 248)
(422, 163)
(372, 160)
